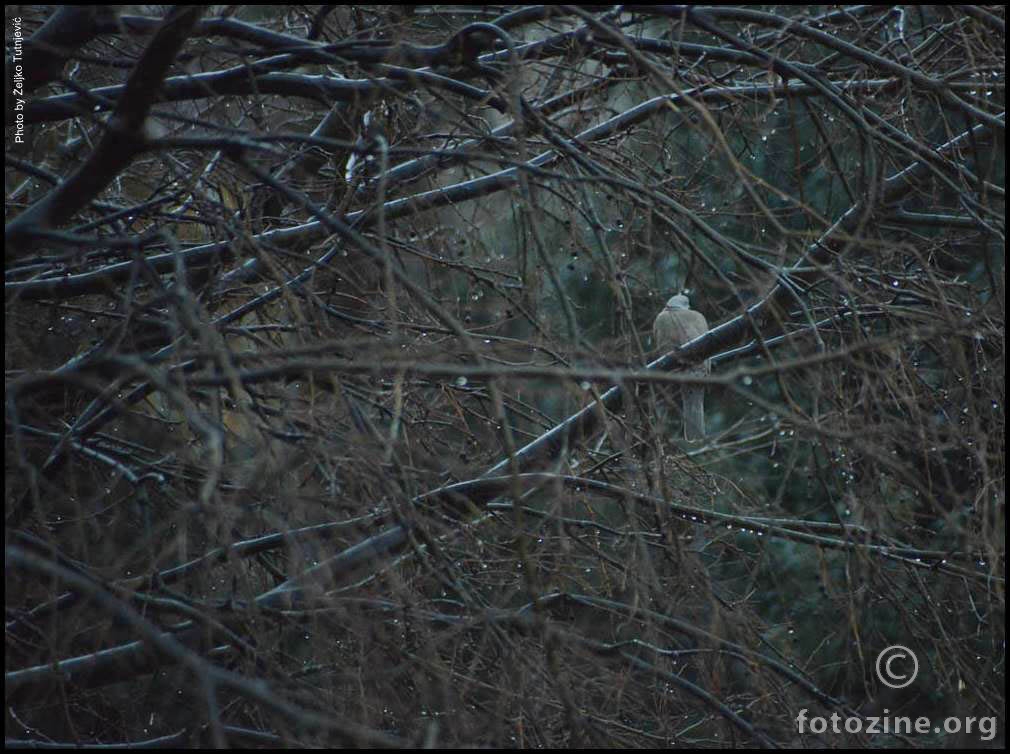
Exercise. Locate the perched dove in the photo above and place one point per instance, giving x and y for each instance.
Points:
(676, 325)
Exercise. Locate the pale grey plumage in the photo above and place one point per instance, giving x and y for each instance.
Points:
(677, 324)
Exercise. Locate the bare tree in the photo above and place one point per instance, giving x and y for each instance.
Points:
(333, 414)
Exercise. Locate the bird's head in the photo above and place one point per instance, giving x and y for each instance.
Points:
(680, 301)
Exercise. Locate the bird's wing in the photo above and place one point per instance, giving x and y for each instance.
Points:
(674, 328)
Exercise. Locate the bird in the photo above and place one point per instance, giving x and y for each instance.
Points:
(676, 325)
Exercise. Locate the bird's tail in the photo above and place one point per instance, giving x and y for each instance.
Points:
(694, 413)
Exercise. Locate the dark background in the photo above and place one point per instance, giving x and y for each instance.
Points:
(302, 306)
